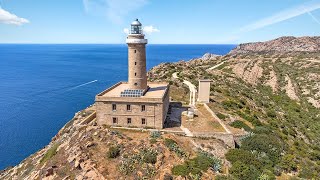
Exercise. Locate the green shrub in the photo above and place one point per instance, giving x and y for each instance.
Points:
(50, 153)
(288, 163)
(271, 145)
(153, 141)
(244, 172)
(197, 165)
(169, 142)
(271, 113)
(230, 104)
(180, 170)
(127, 166)
(221, 116)
(114, 151)
(173, 146)
(149, 156)
(240, 124)
(155, 134)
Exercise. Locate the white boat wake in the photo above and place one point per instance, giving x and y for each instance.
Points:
(84, 84)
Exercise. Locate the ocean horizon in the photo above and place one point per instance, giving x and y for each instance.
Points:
(44, 85)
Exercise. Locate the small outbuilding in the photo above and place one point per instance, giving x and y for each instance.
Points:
(204, 90)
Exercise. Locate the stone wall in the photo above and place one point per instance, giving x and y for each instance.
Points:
(227, 138)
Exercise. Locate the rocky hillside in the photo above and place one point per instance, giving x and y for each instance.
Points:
(83, 150)
(280, 45)
(275, 95)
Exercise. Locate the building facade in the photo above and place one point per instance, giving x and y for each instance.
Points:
(135, 103)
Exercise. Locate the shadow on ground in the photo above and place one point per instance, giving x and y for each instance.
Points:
(174, 115)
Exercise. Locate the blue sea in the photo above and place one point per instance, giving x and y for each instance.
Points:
(43, 86)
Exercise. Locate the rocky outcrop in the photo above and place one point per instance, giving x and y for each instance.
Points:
(285, 44)
(208, 56)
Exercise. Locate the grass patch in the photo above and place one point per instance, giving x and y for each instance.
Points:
(50, 153)
(221, 116)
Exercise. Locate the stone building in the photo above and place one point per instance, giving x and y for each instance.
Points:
(136, 103)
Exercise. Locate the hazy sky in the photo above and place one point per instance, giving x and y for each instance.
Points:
(165, 21)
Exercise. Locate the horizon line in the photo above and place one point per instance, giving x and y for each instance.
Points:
(113, 44)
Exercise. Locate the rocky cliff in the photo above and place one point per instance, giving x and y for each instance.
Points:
(285, 44)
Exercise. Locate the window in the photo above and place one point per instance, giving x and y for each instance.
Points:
(115, 120)
(129, 120)
(135, 51)
(135, 63)
(114, 107)
(143, 121)
(128, 107)
(143, 107)
(135, 74)
(136, 84)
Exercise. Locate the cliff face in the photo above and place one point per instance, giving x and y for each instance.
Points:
(280, 45)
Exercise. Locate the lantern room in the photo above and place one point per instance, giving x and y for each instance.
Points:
(136, 27)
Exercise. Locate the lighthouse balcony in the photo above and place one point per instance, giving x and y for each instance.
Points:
(136, 41)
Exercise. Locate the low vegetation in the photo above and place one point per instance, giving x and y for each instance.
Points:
(173, 146)
(50, 153)
(196, 166)
(284, 132)
(113, 152)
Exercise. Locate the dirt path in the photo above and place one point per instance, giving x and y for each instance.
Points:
(192, 89)
(216, 66)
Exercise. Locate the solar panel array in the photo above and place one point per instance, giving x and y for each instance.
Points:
(132, 93)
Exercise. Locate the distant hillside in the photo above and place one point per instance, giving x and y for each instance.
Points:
(284, 44)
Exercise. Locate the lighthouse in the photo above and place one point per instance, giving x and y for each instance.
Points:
(136, 103)
(137, 75)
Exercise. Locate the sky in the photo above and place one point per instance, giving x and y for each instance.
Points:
(164, 21)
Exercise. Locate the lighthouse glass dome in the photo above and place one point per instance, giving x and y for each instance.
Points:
(136, 27)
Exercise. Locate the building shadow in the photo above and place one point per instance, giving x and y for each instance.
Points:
(157, 88)
(174, 115)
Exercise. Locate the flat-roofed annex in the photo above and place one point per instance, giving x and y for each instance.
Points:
(156, 92)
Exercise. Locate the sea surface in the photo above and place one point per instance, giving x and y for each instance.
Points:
(43, 86)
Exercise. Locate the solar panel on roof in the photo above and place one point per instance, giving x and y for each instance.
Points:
(132, 93)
